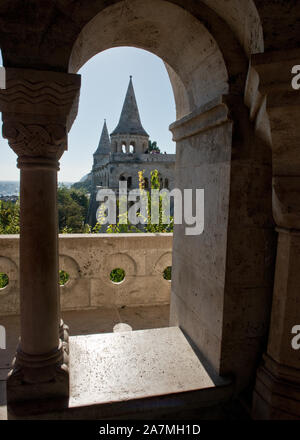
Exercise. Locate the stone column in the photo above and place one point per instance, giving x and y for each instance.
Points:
(38, 109)
(275, 108)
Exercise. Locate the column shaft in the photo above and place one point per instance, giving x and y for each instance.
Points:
(39, 258)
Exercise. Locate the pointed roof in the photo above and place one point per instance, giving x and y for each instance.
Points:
(130, 122)
(104, 143)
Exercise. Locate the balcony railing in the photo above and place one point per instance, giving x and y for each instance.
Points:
(88, 259)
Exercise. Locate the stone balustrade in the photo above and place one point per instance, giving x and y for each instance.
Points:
(89, 260)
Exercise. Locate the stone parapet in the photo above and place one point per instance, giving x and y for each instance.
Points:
(89, 259)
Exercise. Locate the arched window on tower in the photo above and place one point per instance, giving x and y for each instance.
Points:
(132, 147)
(128, 179)
(123, 147)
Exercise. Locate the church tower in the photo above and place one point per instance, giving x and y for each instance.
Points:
(129, 136)
(99, 173)
(103, 150)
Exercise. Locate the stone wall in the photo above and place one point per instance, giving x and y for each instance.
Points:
(223, 279)
(89, 259)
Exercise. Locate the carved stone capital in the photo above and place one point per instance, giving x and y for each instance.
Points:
(38, 109)
(26, 139)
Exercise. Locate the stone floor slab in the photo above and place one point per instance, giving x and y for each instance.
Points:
(133, 365)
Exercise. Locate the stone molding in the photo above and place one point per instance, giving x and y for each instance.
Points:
(204, 118)
(283, 372)
(277, 392)
(275, 109)
(269, 92)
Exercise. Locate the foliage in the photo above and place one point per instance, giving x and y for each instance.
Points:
(3, 280)
(85, 186)
(9, 217)
(72, 210)
(161, 227)
(152, 147)
(168, 273)
(63, 277)
(117, 275)
(119, 227)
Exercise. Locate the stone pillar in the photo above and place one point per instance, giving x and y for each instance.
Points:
(38, 109)
(275, 107)
(203, 154)
(223, 278)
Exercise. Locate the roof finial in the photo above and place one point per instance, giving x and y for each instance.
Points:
(130, 76)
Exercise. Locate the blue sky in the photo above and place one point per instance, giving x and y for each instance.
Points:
(104, 83)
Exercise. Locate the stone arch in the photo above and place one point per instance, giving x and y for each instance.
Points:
(192, 84)
(207, 59)
(132, 145)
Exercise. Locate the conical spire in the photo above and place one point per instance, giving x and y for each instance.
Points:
(104, 143)
(130, 122)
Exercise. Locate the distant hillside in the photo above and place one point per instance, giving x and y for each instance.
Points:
(12, 188)
(9, 188)
(85, 186)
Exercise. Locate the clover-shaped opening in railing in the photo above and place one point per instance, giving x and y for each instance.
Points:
(64, 277)
(117, 275)
(4, 280)
(167, 273)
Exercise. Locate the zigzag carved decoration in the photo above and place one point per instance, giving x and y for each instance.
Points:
(21, 91)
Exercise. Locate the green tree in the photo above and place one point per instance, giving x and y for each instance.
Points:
(152, 146)
(3, 280)
(9, 217)
(85, 186)
(72, 210)
(120, 227)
